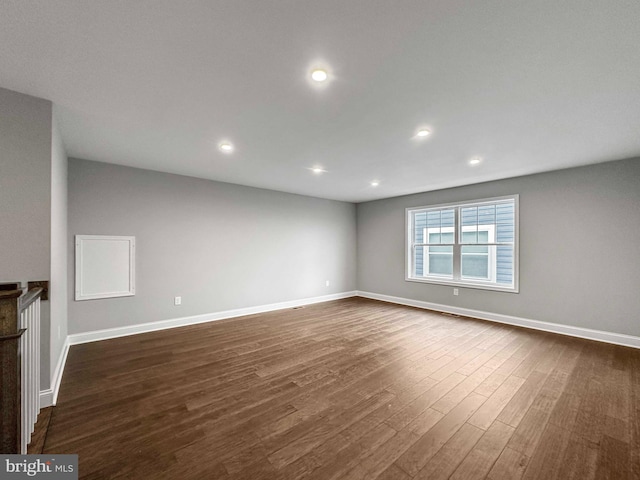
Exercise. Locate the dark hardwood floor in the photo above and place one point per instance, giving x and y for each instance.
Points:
(39, 434)
(351, 389)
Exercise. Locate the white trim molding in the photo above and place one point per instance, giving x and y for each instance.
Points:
(106, 334)
(598, 335)
(49, 397)
(85, 263)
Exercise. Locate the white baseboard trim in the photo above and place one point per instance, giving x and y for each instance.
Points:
(46, 398)
(587, 333)
(49, 397)
(106, 334)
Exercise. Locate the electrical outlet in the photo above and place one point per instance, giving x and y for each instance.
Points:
(327, 283)
(455, 291)
(177, 301)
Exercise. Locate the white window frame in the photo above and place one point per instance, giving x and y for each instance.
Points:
(456, 280)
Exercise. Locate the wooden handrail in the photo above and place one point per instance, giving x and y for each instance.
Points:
(13, 336)
(30, 297)
(7, 294)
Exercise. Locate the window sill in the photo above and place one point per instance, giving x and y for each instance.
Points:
(463, 284)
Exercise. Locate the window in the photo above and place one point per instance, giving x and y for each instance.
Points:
(472, 244)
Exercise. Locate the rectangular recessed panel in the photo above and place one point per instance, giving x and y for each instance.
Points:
(105, 266)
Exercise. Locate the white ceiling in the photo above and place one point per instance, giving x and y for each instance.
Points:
(529, 86)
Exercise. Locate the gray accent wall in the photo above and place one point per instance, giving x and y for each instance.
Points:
(219, 246)
(579, 248)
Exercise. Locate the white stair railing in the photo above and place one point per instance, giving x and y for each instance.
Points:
(30, 367)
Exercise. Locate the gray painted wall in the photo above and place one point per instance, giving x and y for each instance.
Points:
(58, 285)
(25, 186)
(579, 250)
(219, 246)
(25, 198)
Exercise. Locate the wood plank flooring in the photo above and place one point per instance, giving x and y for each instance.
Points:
(40, 432)
(351, 389)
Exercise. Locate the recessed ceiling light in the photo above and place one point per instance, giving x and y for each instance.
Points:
(475, 161)
(318, 170)
(375, 183)
(226, 147)
(319, 75)
(423, 132)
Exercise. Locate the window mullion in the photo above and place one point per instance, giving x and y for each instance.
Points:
(456, 245)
